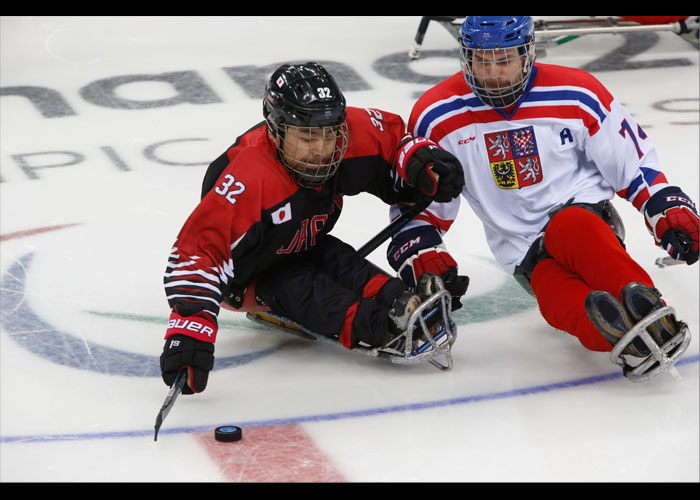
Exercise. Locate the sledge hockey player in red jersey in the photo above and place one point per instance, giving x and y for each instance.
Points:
(259, 237)
(544, 148)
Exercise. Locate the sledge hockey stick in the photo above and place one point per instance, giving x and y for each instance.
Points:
(174, 392)
(394, 227)
(456, 285)
(663, 262)
(686, 244)
(366, 249)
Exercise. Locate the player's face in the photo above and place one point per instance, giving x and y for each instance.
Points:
(497, 71)
(309, 148)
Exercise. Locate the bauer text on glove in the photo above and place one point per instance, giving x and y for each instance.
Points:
(189, 344)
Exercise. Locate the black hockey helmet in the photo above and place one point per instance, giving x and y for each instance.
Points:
(307, 98)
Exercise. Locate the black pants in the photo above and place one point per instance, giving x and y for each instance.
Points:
(333, 291)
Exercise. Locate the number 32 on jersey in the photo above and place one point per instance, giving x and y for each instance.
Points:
(230, 188)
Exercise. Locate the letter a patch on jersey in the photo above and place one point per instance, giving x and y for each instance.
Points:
(514, 158)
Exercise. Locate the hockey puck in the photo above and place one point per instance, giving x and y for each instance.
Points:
(228, 433)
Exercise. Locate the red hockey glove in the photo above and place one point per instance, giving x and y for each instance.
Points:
(434, 171)
(436, 260)
(419, 250)
(671, 218)
(431, 260)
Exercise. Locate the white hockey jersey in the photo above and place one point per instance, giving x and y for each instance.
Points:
(567, 138)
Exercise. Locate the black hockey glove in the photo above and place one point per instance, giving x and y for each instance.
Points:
(672, 219)
(434, 171)
(182, 351)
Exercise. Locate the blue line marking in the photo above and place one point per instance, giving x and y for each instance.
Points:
(526, 391)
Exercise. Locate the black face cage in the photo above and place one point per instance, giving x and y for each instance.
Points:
(312, 155)
(490, 89)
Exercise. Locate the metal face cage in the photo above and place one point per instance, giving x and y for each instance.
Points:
(498, 76)
(311, 154)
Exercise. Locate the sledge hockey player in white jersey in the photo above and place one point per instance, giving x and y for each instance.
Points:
(544, 148)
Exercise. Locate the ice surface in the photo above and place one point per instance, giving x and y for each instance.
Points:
(110, 165)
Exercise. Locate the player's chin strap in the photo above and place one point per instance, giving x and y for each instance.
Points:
(428, 338)
(662, 358)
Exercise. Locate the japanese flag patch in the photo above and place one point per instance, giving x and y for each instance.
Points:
(282, 214)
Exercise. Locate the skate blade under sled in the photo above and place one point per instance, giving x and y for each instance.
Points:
(661, 359)
(434, 345)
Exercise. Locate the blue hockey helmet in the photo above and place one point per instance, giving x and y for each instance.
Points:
(497, 54)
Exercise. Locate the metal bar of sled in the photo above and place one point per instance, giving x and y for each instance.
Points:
(545, 30)
(661, 359)
(547, 33)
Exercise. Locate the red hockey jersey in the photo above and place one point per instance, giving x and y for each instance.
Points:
(253, 214)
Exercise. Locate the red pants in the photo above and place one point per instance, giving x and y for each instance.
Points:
(586, 255)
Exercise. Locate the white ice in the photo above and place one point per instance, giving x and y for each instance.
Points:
(523, 403)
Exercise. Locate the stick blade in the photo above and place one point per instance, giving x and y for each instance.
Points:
(174, 392)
